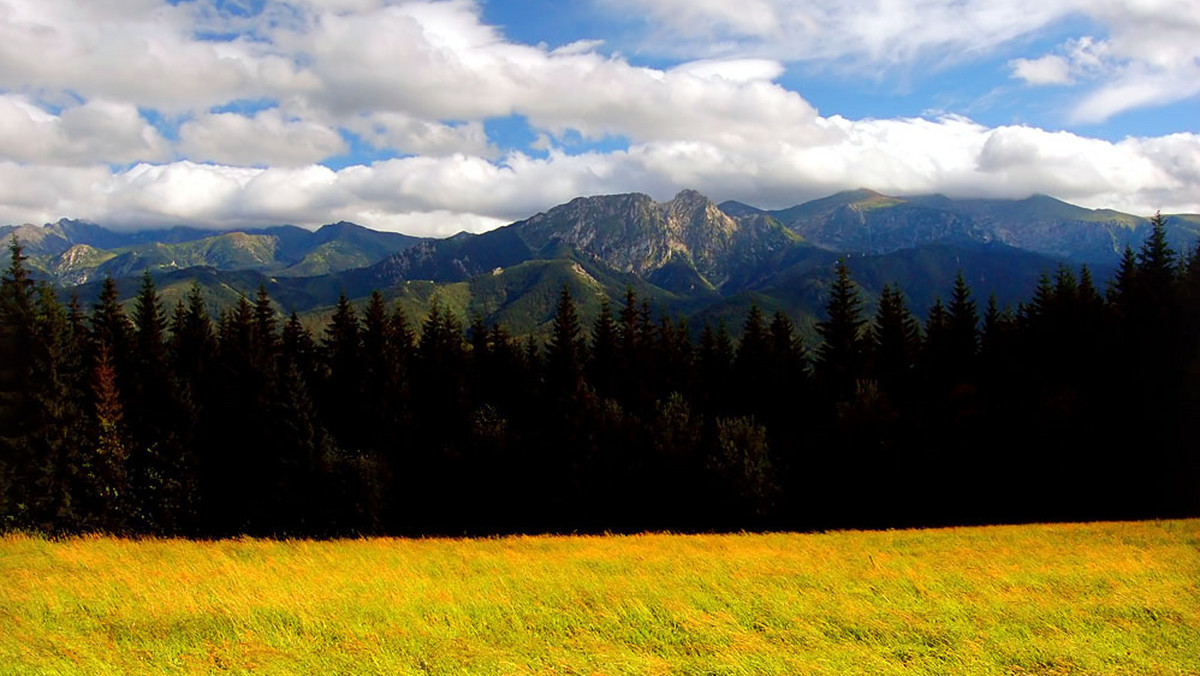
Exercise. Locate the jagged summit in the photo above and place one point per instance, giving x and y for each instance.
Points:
(633, 233)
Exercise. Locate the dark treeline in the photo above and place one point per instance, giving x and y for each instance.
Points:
(1081, 403)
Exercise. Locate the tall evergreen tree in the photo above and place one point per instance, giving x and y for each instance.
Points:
(107, 491)
(603, 362)
(840, 356)
(17, 336)
(158, 467)
(111, 327)
(963, 324)
(343, 394)
(567, 348)
(56, 434)
(895, 338)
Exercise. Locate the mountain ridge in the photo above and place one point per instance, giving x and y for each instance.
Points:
(687, 255)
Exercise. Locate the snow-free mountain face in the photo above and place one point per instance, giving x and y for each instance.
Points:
(634, 234)
(863, 221)
(72, 252)
(687, 255)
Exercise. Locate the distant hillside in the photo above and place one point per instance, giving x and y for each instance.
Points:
(864, 221)
(687, 257)
(72, 252)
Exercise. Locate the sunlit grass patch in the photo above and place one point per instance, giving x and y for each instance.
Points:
(1117, 598)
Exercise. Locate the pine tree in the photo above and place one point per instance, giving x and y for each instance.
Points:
(895, 338)
(17, 336)
(753, 350)
(840, 356)
(297, 348)
(788, 361)
(672, 356)
(265, 336)
(1155, 259)
(998, 328)
(602, 365)
(111, 327)
(568, 347)
(963, 338)
(193, 343)
(1120, 287)
(56, 433)
(156, 455)
(107, 490)
(937, 340)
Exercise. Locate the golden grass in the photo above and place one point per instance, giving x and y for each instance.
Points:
(1114, 598)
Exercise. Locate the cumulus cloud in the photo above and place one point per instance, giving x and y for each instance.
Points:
(143, 51)
(410, 135)
(1050, 69)
(1149, 56)
(441, 195)
(262, 97)
(266, 138)
(98, 130)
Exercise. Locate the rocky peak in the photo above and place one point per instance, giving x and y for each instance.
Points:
(633, 233)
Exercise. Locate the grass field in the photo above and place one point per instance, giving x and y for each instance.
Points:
(1114, 598)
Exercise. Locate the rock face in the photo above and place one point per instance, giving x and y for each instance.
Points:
(633, 233)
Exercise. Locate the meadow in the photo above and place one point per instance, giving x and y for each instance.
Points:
(1106, 598)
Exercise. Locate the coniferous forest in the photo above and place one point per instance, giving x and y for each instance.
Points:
(1081, 403)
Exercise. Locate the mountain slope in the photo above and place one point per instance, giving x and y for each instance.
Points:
(73, 252)
(863, 221)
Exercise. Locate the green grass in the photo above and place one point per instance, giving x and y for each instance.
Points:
(1116, 598)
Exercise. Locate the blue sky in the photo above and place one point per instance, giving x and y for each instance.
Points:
(435, 116)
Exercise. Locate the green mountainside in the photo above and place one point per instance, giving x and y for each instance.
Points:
(71, 252)
(687, 257)
(864, 221)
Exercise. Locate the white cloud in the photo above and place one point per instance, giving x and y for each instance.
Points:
(420, 78)
(440, 195)
(866, 31)
(1051, 69)
(734, 70)
(140, 51)
(268, 138)
(409, 135)
(1150, 56)
(98, 130)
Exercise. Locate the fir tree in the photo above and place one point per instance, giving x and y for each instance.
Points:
(17, 335)
(840, 356)
(111, 327)
(56, 432)
(157, 462)
(602, 365)
(106, 480)
(567, 348)
(895, 338)
(963, 326)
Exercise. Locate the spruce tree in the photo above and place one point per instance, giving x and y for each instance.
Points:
(963, 319)
(17, 336)
(895, 338)
(56, 431)
(568, 347)
(156, 461)
(788, 361)
(111, 327)
(106, 489)
(341, 395)
(840, 356)
(603, 361)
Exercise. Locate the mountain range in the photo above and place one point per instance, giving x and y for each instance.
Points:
(687, 256)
